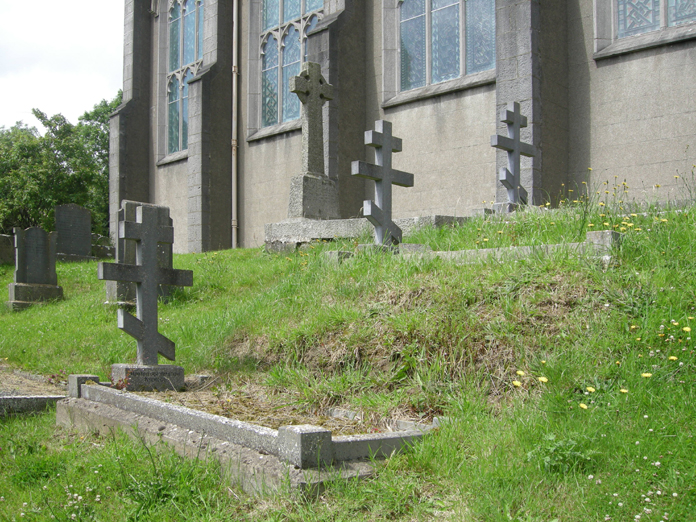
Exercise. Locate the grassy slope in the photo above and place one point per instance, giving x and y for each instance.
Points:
(424, 339)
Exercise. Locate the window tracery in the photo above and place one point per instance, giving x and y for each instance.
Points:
(283, 49)
(185, 25)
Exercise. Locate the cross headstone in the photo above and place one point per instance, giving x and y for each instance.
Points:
(123, 292)
(35, 268)
(313, 91)
(148, 275)
(379, 212)
(74, 227)
(510, 176)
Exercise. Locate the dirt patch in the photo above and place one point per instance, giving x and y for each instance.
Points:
(16, 382)
(256, 404)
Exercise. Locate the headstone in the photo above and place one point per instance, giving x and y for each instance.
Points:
(510, 176)
(147, 274)
(379, 212)
(35, 277)
(312, 195)
(123, 292)
(74, 228)
(6, 249)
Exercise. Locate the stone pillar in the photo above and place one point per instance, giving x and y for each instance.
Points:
(129, 141)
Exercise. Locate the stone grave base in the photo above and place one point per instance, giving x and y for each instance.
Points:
(134, 377)
(313, 197)
(257, 458)
(24, 295)
(288, 235)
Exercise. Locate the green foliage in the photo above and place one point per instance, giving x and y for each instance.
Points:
(68, 164)
(563, 455)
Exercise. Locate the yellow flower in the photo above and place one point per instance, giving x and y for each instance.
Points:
(520, 373)
(672, 358)
(583, 406)
(543, 379)
(618, 363)
(517, 383)
(633, 327)
(543, 362)
(590, 389)
(485, 239)
(637, 338)
(590, 225)
(623, 390)
(690, 318)
(634, 215)
(686, 329)
(622, 229)
(605, 224)
(646, 375)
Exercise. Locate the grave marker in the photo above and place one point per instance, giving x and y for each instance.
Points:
(147, 274)
(510, 176)
(35, 277)
(312, 195)
(74, 228)
(379, 212)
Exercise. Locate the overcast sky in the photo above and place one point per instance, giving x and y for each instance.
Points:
(58, 57)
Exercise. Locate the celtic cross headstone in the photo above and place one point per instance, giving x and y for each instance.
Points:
(510, 176)
(147, 274)
(379, 212)
(313, 91)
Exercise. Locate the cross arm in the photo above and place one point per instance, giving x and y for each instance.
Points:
(502, 142)
(120, 272)
(527, 150)
(175, 277)
(366, 170)
(374, 138)
(299, 85)
(403, 179)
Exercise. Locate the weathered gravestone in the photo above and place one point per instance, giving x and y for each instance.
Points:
(510, 176)
(74, 228)
(35, 277)
(123, 292)
(147, 274)
(6, 249)
(379, 212)
(312, 195)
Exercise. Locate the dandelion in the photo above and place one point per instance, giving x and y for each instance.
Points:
(543, 362)
(590, 389)
(517, 383)
(583, 406)
(520, 373)
(590, 225)
(686, 329)
(672, 358)
(623, 390)
(543, 379)
(646, 375)
(618, 363)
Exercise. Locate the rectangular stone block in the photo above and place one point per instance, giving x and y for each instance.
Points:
(6, 250)
(34, 293)
(74, 228)
(133, 377)
(305, 446)
(77, 380)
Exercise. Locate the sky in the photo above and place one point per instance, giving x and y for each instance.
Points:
(58, 57)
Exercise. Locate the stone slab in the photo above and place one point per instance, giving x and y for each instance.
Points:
(27, 403)
(74, 227)
(23, 296)
(288, 235)
(313, 197)
(160, 377)
(255, 472)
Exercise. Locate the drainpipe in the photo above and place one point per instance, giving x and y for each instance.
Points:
(235, 109)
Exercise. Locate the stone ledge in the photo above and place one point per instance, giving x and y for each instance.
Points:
(26, 403)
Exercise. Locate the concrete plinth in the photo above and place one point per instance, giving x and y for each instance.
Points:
(24, 295)
(313, 197)
(133, 377)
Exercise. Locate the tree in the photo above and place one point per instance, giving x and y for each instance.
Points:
(68, 164)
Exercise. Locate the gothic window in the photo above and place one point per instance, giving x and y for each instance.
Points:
(285, 24)
(185, 58)
(436, 46)
(642, 16)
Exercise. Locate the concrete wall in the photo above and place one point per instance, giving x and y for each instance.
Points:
(632, 115)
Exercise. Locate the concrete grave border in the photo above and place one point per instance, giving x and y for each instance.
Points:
(26, 403)
(301, 457)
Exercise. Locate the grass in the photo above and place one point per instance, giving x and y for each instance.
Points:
(569, 388)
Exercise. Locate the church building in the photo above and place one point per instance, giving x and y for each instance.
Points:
(210, 128)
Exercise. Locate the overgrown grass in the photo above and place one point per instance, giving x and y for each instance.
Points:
(569, 386)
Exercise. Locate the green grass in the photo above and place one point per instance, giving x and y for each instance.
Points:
(417, 338)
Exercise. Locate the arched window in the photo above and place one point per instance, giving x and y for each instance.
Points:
(436, 46)
(185, 58)
(285, 24)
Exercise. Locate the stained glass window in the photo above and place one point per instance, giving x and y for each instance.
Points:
(638, 16)
(185, 54)
(436, 46)
(681, 11)
(285, 24)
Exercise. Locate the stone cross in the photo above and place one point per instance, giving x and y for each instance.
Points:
(313, 91)
(379, 212)
(148, 275)
(510, 176)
